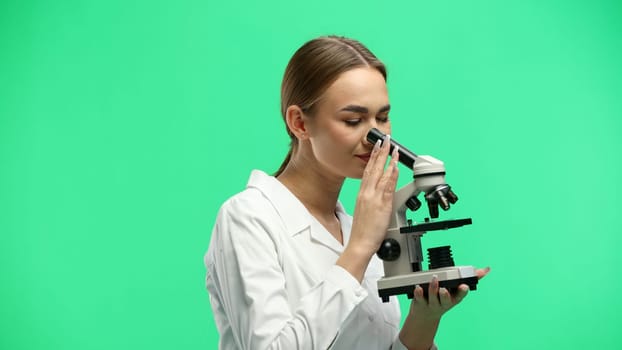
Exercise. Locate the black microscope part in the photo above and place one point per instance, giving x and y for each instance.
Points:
(406, 157)
(442, 196)
(413, 203)
(439, 257)
(389, 250)
(451, 285)
(432, 206)
(451, 196)
(436, 225)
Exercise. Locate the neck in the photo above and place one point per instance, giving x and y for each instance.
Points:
(317, 190)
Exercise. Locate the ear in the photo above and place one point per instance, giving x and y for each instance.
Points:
(296, 122)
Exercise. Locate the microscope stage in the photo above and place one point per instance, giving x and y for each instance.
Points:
(436, 225)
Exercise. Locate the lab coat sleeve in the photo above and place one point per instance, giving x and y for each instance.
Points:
(249, 284)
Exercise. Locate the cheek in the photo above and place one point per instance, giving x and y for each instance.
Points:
(345, 140)
(337, 139)
(331, 137)
(348, 134)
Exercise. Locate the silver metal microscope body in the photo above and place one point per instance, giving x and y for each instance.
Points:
(428, 174)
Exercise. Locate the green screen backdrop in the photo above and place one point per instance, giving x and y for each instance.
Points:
(125, 124)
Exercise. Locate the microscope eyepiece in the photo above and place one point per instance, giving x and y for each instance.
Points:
(406, 157)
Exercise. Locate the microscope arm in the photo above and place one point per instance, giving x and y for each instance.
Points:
(403, 199)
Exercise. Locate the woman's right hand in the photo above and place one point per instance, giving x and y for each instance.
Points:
(374, 202)
(372, 213)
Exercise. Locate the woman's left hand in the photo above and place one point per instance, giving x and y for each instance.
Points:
(439, 299)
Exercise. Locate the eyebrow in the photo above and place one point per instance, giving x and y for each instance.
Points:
(363, 110)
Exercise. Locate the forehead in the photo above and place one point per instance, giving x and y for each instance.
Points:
(363, 86)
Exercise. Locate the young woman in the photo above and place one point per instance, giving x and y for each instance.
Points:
(287, 268)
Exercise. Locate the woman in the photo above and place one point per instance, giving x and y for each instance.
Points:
(287, 267)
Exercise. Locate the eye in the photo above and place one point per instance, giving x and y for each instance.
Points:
(383, 119)
(352, 122)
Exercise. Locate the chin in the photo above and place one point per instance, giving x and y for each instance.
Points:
(355, 174)
(351, 171)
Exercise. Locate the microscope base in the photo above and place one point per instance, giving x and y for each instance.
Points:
(448, 277)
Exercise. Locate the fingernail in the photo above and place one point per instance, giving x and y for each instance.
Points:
(377, 145)
(396, 150)
(388, 139)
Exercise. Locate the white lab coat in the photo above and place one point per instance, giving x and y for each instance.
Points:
(273, 282)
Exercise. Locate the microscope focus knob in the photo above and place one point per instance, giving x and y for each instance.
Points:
(389, 250)
(413, 203)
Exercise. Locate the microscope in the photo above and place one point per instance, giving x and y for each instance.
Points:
(401, 250)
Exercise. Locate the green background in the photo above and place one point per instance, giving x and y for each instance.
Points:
(125, 124)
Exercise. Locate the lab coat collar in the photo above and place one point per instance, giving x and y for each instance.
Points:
(294, 214)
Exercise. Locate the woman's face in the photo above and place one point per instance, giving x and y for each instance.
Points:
(356, 102)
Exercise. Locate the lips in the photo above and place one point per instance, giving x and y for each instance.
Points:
(364, 157)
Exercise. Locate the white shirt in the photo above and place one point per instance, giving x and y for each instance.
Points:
(273, 282)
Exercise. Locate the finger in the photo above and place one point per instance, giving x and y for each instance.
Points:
(386, 143)
(462, 292)
(444, 298)
(380, 161)
(365, 181)
(481, 273)
(391, 185)
(395, 155)
(388, 181)
(419, 297)
(433, 292)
